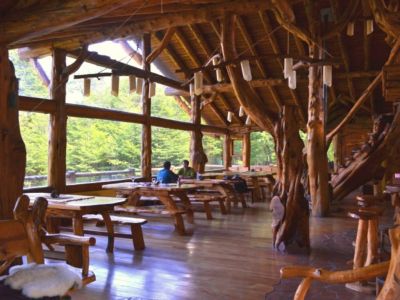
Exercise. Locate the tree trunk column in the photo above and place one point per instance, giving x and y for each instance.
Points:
(316, 146)
(146, 110)
(197, 155)
(12, 147)
(227, 152)
(58, 123)
(246, 149)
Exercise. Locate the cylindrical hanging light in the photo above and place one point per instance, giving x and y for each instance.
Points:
(350, 29)
(198, 83)
(191, 90)
(86, 87)
(139, 85)
(229, 117)
(369, 26)
(327, 75)
(114, 85)
(132, 84)
(292, 80)
(152, 89)
(241, 111)
(246, 70)
(287, 67)
(248, 120)
(215, 61)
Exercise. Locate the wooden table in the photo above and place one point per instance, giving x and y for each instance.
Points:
(164, 192)
(394, 191)
(67, 207)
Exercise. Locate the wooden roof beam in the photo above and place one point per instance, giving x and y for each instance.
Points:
(250, 45)
(163, 44)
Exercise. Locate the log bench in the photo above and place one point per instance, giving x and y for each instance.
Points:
(134, 223)
(206, 199)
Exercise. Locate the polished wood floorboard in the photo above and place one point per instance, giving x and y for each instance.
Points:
(229, 257)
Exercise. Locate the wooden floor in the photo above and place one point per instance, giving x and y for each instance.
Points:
(229, 257)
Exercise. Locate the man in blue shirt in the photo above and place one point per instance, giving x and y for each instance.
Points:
(166, 175)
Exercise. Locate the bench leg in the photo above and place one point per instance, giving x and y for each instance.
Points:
(179, 224)
(207, 209)
(137, 237)
(222, 207)
(110, 231)
(243, 200)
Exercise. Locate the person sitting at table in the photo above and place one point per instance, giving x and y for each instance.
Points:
(186, 171)
(165, 175)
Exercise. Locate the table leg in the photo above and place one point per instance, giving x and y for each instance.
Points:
(257, 190)
(361, 240)
(110, 231)
(373, 242)
(171, 206)
(188, 207)
(77, 224)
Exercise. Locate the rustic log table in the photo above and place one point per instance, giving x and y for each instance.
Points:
(74, 207)
(165, 193)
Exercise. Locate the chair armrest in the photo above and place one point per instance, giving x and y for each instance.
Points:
(346, 276)
(68, 239)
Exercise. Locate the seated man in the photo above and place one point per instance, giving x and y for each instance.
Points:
(186, 171)
(166, 175)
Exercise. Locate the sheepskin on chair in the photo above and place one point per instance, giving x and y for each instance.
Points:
(37, 281)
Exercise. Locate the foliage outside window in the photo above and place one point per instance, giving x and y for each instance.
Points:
(100, 146)
(169, 144)
(262, 149)
(213, 147)
(34, 130)
(237, 152)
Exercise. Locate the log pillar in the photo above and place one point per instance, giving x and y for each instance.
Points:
(146, 110)
(198, 157)
(58, 123)
(12, 147)
(246, 149)
(316, 147)
(227, 152)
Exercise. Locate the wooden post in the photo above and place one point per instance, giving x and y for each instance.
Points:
(227, 152)
(316, 147)
(197, 155)
(146, 110)
(58, 123)
(12, 147)
(246, 149)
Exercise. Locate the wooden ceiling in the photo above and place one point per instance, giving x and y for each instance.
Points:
(69, 24)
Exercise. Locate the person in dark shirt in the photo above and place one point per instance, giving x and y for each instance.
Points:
(166, 175)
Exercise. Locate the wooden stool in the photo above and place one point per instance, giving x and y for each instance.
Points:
(367, 242)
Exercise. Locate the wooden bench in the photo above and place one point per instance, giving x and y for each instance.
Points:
(135, 223)
(206, 199)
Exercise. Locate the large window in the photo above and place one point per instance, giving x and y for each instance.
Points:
(262, 149)
(213, 147)
(99, 150)
(34, 130)
(237, 152)
(169, 144)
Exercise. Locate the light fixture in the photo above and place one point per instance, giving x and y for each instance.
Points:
(292, 80)
(191, 90)
(350, 29)
(215, 61)
(198, 83)
(246, 71)
(132, 84)
(139, 85)
(241, 111)
(229, 117)
(287, 67)
(152, 89)
(248, 120)
(369, 26)
(327, 75)
(86, 87)
(114, 85)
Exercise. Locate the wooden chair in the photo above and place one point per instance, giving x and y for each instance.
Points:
(390, 290)
(24, 235)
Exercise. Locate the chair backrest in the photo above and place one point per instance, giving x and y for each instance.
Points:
(20, 237)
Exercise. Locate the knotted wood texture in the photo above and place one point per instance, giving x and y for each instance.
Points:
(12, 147)
(197, 155)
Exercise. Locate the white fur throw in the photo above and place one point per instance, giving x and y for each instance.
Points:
(38, 281)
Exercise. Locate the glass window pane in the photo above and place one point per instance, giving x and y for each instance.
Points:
(237, 152)
(34, 130)
(213, 147)
(262, 149)
(99, 150)
(169, 144)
